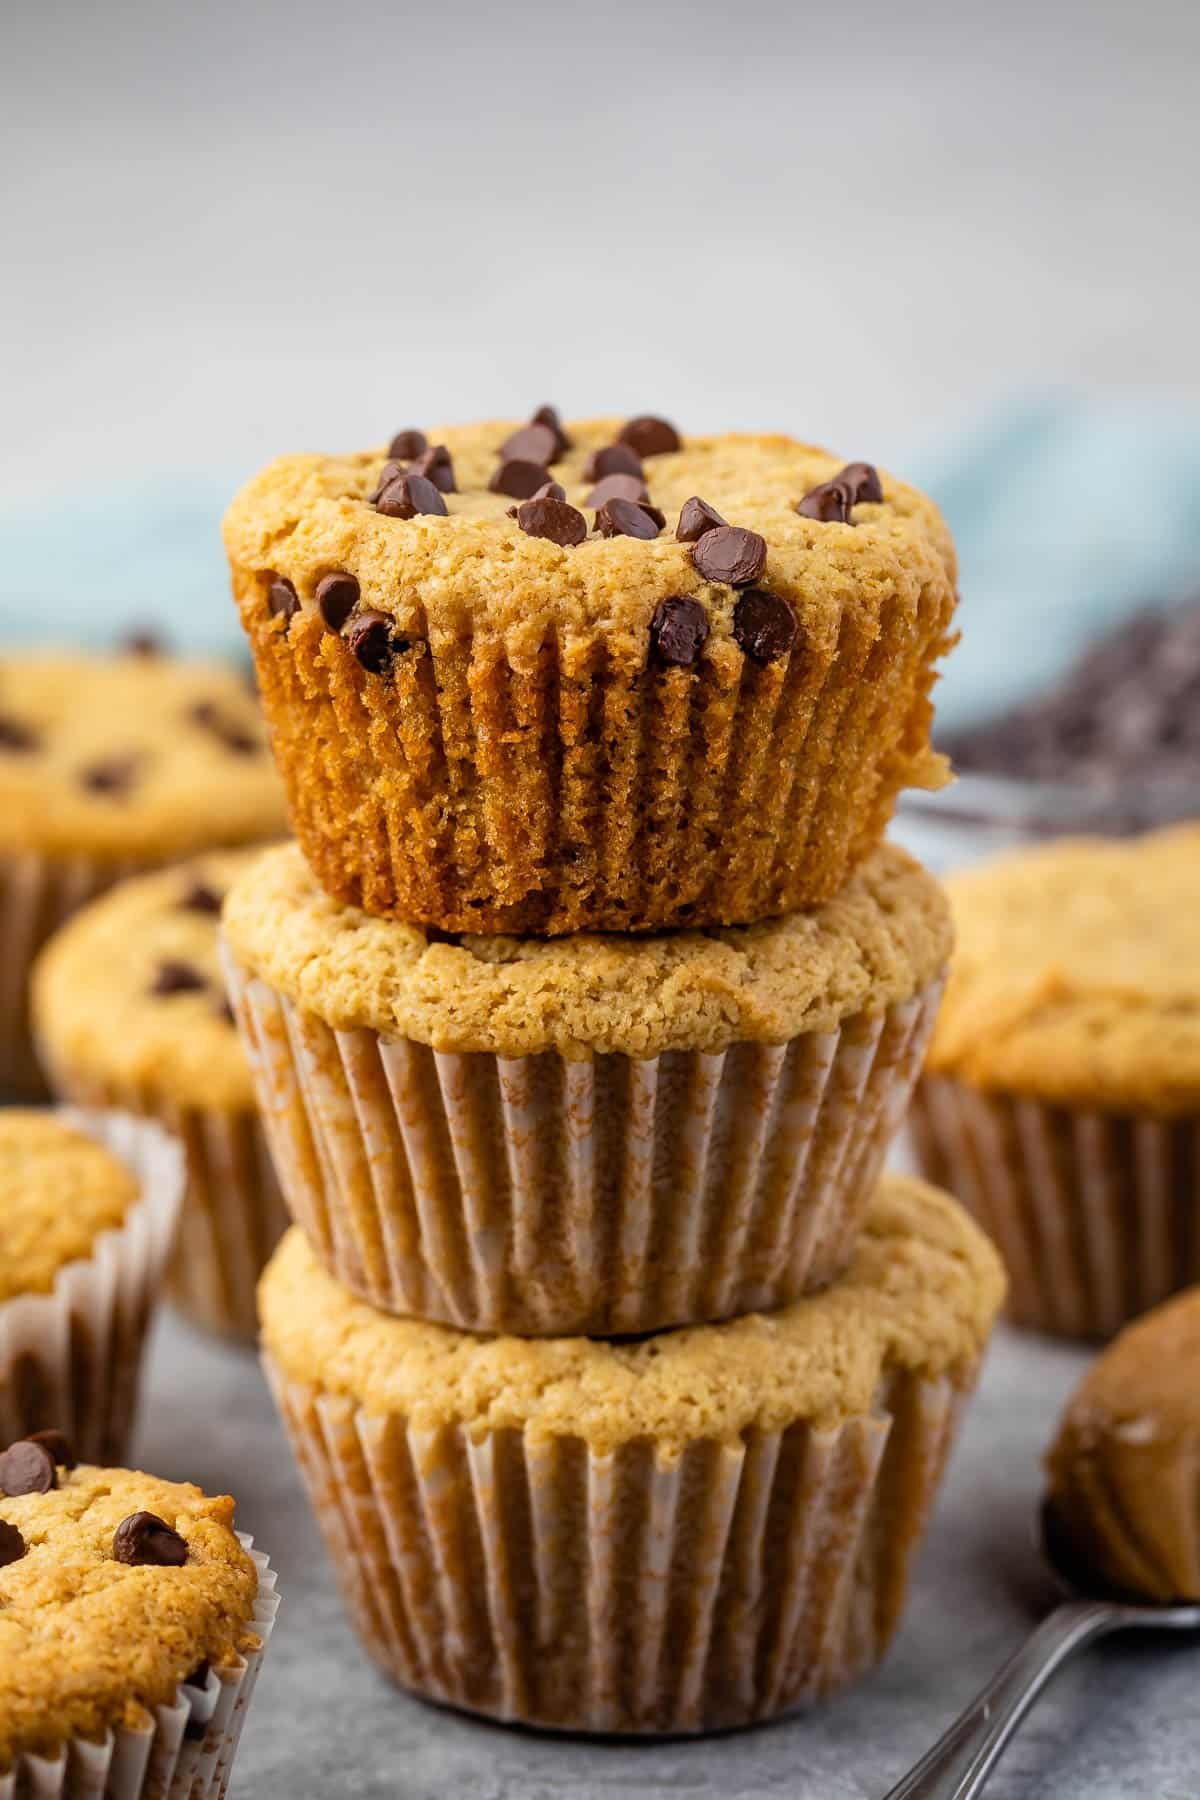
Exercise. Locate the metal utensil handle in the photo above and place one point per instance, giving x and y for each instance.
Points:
(964, 1757)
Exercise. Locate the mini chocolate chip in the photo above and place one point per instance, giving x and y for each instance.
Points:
(208, 715)
(337, 596)
(15, 736)
(391, 471)
(201, 898)
(176, 977)
(649, 436)
(613, 459)
(143, 643)
(409, 495)
(548, 415)
(435, 465)
(617, 487)
(625, 518)
(764, 625)
(731, 554)
(143, 1539)
(115, 775)
(696, 517)
(531, 444)
(408, 444)
(282, 599)
(679, 630)
(519, 480)
(369, 637)
(27, 1468)
(58, 1445)
(552, 519)
(551, 490)
(863, 481)
(830, 503)
(12, 1544)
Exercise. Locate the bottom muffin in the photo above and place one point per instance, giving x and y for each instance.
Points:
(678, 1533)
(133, 1621)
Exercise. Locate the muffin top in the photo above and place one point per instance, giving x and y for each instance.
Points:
(93, 1631)
(59, 1190)
(1123, 1467)
(1076, 979)
(882, 938)
(131, 756)
(130, 993)
(460, 560)
(920, 1295)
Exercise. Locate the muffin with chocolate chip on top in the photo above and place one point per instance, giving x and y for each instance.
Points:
(133, 1621)
(108, 766)
(539, 678)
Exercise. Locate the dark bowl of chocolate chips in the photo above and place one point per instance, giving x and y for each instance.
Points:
(1111, 749)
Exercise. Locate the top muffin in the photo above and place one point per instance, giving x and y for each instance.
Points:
(542, 679)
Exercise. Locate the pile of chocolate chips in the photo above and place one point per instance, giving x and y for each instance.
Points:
(1127, 712)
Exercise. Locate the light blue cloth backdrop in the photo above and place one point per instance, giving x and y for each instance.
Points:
(1067, 516)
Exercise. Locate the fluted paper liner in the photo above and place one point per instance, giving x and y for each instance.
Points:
(575, 784)
(38, 893)
(182, 1751)
(233, 1213)
(70, 1359)
(537, 1581)
(541, 1196)
(1096, 1214)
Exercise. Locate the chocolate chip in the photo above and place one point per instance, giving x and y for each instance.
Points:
(548, 415)
(408, 444)
(58, 1445)
(208, 715)
(337, 596)
(649, 436)
(731, 554)
(115, 775)
(176, 977)
(830, 503)
(613, 459)
(200, 898)
(12, 1544)
(147, 644)
(696, 517)
(551, 490)
(143, 1539)
(679, 630)
(435, 465)
(625, 518)
(369, 637)
(863, 481)
(27, 1468)
(617, 487)
(764, 626)
(409, 495)
(532, 444)
(282, 599)
(552, 519)
(391, 471)
(15, 736)
(519, 480)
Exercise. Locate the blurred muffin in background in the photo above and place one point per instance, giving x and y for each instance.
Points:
(129, 1011)
(109, 766)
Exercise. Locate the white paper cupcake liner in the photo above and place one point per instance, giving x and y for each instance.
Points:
(541, 1196)
(70, 1359)
(183, 1751)
(37, 894)
(540, 1582)
(1096, 1214)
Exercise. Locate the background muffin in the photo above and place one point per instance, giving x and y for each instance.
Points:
(130, 1011)
(109, 765)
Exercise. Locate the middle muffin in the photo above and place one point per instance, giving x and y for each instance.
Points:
(595, 1134)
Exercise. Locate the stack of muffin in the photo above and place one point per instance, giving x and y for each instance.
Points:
(580, 1019)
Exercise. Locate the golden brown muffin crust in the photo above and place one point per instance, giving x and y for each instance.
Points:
(882, 939)
(87, 1642)
(59, 1190)
(920, 1295)
(131, 757)
(1076, 979)
(98, 1009)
